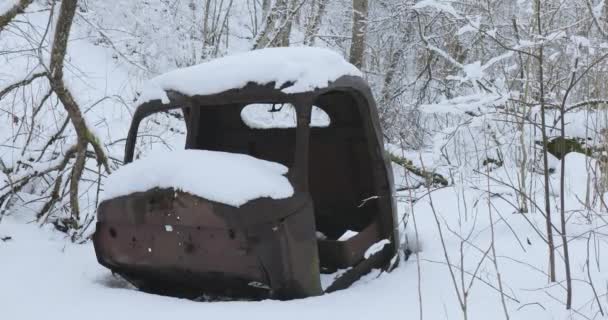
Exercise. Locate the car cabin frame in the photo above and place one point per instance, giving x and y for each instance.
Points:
(266, 248)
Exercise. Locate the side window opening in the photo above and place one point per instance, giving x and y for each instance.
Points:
(161, 132)
(340, 170)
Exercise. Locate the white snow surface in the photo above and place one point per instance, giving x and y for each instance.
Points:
(6, 5)
(347, 235)
(375, 248)
(228, 178)
(308, 68)
(471, 103)
(442, 6)
(259, 116)
(45, 276)
(72, 283)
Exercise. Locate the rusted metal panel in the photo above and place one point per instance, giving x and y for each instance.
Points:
(175, 238)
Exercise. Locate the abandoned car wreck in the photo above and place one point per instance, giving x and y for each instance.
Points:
(249, 209)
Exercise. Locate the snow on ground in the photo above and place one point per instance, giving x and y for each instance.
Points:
(307, 68)
(44, 275)
(470, 103)
(229, 178)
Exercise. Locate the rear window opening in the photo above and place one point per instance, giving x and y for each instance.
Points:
(280, 116)
(231, 128)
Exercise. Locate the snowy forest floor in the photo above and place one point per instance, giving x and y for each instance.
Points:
(44, 275)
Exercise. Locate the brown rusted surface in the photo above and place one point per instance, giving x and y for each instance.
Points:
(166, 239)
(266, 248)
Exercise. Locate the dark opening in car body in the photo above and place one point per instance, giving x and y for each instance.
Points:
(266, 248)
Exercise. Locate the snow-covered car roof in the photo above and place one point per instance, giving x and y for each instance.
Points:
(303, 68)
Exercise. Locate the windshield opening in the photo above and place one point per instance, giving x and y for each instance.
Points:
(224, 128)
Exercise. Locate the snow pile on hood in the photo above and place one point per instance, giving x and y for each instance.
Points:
(308, 68)
(228, 178)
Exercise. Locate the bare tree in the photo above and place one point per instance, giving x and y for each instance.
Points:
(357, 47)
(206, 36)
(314, 23)
(266, 5)
(286, 25)
(55, 75)
(541, 81)
(268, 31)
(277, 26)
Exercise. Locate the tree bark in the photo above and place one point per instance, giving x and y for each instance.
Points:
(56, 78)
(562, 191)
(315, 23)
(277, 26)
(541, 71)
(385, 103)
(265, 36)
(19, 8)
(390, 73)
(266, 4)
(357, 47)
(605, 14)
(206, 45)
(284, 29)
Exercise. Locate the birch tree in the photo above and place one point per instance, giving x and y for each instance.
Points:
(314, 23)
(357, 47)
(272, 25)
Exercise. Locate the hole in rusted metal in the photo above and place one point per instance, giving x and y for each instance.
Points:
(231, 234)
(112, 233)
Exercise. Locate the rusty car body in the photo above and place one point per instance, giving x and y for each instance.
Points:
(266, 248)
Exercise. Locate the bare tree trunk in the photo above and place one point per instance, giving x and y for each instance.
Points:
(357, 47)
(285, 26)
(204, 52)
(541, 80)
(385, 98)
(85, 136)
(562, 191)
(315, 23)
(562, 197)
(193, 58)
(266, 5)
(265, 36)
(605, 14)
(520, 121)
(277, 26)
(602, 176)
(14, 11)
